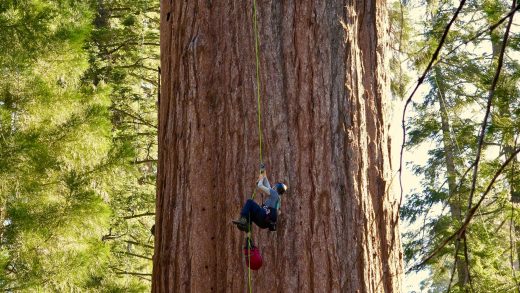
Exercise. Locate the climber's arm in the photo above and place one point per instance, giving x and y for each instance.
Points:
(263, 184)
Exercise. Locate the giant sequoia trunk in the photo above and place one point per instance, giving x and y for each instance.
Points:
(324, 100)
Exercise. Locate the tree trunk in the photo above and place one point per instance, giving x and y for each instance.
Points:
(324, 98)
(454, 201)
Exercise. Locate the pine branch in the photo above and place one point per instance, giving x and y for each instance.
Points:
(119, 271)
(451, 195)
(487, 30)
(153, 82)
(434, 56)
(136, 123)
(500, 226)
(500, 208)
(138, 244)
(488, 108)
(457, 245)
(471, 213)
(419, 82)
(111, 237)
(143, 278)
(132, 273)
(145, 161)
(137, 65)
(128, 241)
(460, 233)
(140, 119)
(125, 44)
(512, 244)
(136, 255)
(139, 215)
(466, 260)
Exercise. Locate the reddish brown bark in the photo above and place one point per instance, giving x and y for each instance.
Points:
(324, 89)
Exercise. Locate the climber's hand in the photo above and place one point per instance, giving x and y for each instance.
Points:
(262, 168)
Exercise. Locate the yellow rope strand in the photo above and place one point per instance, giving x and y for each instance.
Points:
(249, 260)
(257, 49)
(259, 111)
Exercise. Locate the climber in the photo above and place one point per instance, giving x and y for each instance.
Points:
(264, 216)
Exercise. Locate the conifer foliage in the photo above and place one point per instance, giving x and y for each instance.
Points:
(77, 144)
(467, 232)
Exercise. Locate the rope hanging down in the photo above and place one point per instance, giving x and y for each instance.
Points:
(257, 53)
(249, 237)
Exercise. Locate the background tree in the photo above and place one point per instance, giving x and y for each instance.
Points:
(49, 185)
(450, 116)
(76, 175)
(324, 88)
(124, 54)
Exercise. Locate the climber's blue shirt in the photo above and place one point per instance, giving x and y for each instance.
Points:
(273, 199)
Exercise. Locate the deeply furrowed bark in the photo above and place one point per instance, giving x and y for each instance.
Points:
(324, 120)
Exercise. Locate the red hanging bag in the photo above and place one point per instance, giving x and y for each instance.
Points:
(253, 257)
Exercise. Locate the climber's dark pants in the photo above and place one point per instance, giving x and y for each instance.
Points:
(257, 213)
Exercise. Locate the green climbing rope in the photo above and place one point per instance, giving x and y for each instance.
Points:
(257, 53)
(249, 236)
